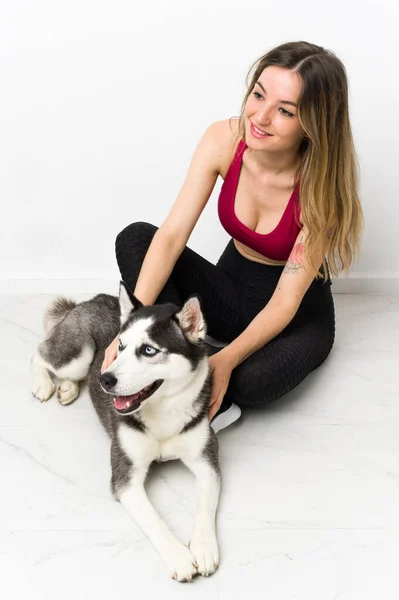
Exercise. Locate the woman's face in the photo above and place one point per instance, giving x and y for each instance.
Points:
(271, 121)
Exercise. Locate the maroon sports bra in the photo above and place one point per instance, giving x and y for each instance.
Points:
(277, 244)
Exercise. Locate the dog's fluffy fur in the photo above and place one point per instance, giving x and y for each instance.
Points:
(161, 353)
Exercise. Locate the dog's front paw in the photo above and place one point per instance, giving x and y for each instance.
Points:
(180, 562)
(68, 392)
(205, 550)
(43, 389)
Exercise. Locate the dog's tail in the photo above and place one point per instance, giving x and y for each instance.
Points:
(56, 312)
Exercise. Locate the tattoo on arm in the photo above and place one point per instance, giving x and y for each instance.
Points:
(295, 260)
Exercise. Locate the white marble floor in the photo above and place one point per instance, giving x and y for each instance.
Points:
(310, 497)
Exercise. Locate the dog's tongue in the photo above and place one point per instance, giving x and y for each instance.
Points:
(121, 402)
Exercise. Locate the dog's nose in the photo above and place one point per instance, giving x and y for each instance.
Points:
(108, 380)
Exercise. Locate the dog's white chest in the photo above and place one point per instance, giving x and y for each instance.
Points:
(167, 453)
(144, 449)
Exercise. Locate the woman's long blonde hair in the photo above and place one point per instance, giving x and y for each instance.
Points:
(328, 174)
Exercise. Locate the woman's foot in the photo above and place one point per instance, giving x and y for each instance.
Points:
(227, 414)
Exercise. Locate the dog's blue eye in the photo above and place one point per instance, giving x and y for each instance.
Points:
(149, 350)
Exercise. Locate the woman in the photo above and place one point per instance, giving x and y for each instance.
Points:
(290, 202)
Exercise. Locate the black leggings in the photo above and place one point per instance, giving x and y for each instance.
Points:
(233, 292)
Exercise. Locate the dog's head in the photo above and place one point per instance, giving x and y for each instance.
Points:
(160, 347)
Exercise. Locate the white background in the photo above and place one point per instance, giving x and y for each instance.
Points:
(102, 104)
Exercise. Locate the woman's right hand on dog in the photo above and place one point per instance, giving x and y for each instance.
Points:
(110, 354)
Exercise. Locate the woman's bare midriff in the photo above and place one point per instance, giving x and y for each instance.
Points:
(255, 256)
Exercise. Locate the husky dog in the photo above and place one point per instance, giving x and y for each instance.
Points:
(153, 401)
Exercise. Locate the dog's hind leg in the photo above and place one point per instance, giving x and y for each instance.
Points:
(67, 351)
(73, 372)
(69, 373)
(67, 391)
(42, 386)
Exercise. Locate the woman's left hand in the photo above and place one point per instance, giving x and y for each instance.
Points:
(221, 368)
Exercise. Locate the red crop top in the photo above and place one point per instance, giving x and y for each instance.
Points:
(277, 244)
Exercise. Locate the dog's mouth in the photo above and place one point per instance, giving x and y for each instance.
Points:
(128, 404)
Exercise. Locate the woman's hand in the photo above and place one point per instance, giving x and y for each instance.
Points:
(221, 368)
(110, 354)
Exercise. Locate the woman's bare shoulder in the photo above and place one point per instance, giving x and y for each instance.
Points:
(226, 136)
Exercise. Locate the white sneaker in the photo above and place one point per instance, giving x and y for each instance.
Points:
(226, 415)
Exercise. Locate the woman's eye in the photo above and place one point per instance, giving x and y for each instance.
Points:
(120, 347)
(286, 113)
(257, 95)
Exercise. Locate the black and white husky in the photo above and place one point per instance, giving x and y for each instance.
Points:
(153, 401)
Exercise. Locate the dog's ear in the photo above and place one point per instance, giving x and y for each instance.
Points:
(127, 302)
(192, 320)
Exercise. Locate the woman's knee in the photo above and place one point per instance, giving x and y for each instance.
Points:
(136, 229)
(271, 372)
(248, 382)
(136, 234)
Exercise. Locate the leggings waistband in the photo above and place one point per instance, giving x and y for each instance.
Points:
(252, 272)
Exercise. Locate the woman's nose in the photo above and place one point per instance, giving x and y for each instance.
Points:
(264, 116)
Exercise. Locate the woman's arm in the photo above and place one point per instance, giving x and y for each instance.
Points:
(281, 308)
(171, 238)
